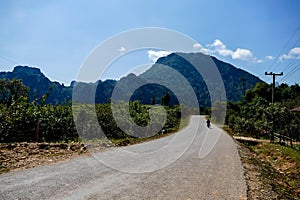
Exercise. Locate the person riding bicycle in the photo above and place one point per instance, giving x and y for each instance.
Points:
(208, 123)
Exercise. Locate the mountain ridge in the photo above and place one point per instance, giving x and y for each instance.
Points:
(236, 82)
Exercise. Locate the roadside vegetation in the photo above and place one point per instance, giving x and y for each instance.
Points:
(271, 171)
(272, 164)
(36, 121)
(34, 132)
(257, 117)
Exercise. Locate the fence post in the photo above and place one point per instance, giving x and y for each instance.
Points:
(37, 131)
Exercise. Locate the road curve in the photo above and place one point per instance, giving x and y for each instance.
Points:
(195, 163)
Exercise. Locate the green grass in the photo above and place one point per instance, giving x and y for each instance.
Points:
(228, 130)
(276, 150)
(280, 166)
(3, 169)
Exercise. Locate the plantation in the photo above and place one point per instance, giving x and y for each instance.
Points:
(24, 120)
(256, 116)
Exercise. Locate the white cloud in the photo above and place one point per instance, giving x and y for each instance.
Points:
(200, 48)
(293, 54)
(122, 49)
(197, 46)
(270, 57)
(218, 44)
(239, 54)
(155, 55)
(225, 52)
(220, 48)
(244, 54)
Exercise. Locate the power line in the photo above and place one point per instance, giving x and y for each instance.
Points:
(291, 63)
(292, 60)
(278, 56)
(293, 66)
(290, 73)
(9, 60)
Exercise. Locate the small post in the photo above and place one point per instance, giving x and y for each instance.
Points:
(37, 131)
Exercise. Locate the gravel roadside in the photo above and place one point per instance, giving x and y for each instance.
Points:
(257, 187)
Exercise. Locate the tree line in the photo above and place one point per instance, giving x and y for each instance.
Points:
(256, 116)
(31, 121)
(25, 120)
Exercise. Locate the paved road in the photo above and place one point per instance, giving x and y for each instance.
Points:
(186, 165)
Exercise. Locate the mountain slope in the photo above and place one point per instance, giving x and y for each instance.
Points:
(39, 84)
(236, 81)
(150, 86)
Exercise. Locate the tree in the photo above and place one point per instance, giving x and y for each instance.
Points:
(256, 116)
(219, 112)
(165, 100)
(153, 100)
(12, 91)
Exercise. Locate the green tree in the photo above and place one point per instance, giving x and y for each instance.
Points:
(165, 100)
(153, 100)
(255, 115)
(219, 112)
(13, 91)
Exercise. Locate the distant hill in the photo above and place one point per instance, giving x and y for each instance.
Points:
(39, 84)
(236, 82)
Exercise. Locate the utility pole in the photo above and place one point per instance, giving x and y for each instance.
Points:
(273, 86)
(273, 93)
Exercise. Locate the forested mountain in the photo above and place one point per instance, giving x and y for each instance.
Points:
(236, 82)
(39, 84)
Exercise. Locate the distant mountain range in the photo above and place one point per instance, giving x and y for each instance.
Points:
(39, 84)
(236, 82)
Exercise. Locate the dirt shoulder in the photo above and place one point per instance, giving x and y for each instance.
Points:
(271, 171)
(15, 156)
(25, 155)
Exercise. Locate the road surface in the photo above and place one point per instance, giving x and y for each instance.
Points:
(195, 163)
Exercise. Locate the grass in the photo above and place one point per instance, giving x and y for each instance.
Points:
(3, 169)
(280, 166)
(232, 133)
(228, 130)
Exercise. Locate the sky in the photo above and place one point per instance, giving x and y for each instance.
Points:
(58, 35)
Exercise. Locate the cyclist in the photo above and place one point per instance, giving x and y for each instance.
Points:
(208, 123)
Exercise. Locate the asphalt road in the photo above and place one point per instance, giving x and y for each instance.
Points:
(195, 163)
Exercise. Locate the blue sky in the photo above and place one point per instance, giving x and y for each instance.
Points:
(57, 36)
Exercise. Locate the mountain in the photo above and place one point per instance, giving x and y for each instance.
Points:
(39, 84)
(175, 72)
(236, 81)
(134, 87)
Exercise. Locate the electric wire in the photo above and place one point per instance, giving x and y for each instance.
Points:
(291, 72)
(8, 60)
(284, 47)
